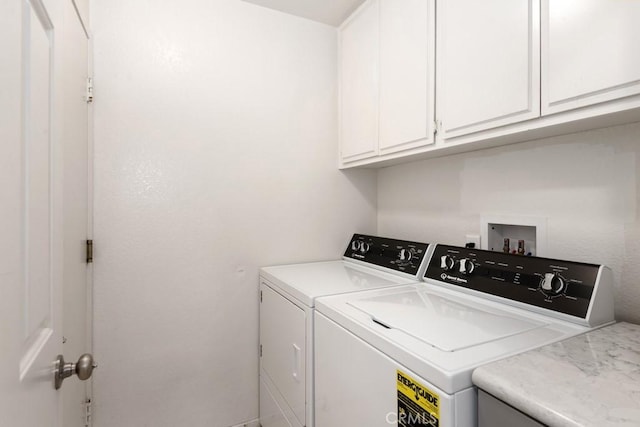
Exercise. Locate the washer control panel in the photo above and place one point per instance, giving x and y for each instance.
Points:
(562, 286)
(399, 255)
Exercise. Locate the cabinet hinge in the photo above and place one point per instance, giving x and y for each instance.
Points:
(89, 95)
(89, 251)
(87, 412)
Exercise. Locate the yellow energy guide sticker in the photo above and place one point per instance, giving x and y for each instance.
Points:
(418, 406)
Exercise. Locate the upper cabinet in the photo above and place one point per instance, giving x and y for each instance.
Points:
(507, 71)
(387, 79)
(589, 52)
(359, 77)
(488, 64)
(406, 75)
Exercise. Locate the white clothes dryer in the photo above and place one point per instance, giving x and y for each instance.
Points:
(287, 301)
(404, 356)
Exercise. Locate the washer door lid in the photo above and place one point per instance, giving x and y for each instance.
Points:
(447, 324)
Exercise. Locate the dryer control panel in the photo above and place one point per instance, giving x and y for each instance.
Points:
(562, 286)
(399, 255)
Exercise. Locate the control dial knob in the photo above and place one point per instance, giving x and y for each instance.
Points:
(364, 247)
(355, 245)
(467, 266)
(552, 284)
(405, 255)
(446, 262)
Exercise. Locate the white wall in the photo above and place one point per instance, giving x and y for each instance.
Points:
(215, 153)
(586, 185)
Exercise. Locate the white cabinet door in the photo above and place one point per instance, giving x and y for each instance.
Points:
(589, 52)
(488, 64)
(283, 341)
(359, 84)
(406, 74)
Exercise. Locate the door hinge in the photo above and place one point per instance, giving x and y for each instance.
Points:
(87, 412)
(260, 350)
(89, 95)
(260, 296)
(89, 251)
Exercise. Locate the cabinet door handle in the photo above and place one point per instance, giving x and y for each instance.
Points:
(296, 363)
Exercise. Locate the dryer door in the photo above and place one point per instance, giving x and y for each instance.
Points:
(282, 337)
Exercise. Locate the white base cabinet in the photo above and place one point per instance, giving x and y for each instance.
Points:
(493, 412)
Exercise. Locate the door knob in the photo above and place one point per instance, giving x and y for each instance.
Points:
(83, 369)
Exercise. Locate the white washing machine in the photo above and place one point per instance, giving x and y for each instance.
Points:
(404, 356)
(287, 299)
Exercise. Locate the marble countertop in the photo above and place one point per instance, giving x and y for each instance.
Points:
(589, 380)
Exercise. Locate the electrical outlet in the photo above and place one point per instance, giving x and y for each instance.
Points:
(472, 238)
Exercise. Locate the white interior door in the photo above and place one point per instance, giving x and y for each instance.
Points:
(76, 274)
(32, 213)
(30, 252)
